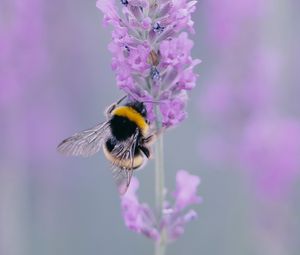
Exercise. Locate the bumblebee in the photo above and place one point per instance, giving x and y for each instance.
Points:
(124, 138)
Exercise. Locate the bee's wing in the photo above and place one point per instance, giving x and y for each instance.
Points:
(124, 151)
(122, 178)
(85, 143)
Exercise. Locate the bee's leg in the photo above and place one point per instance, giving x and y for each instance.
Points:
(151, 138)
(113, 106)
(146, 151)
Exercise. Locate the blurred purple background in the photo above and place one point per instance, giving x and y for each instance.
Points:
(242, 135)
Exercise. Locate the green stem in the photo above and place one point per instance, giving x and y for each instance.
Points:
(160, 246)
(159, 176)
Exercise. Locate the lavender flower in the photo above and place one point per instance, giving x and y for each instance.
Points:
(225, 23)
(240, 99)
(151, 55)
(138, 217)
(22, 34)
(141, 219)
(186, 188)
(250, 125)
(270, 152)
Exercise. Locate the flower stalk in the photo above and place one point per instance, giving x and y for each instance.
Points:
(160, 245)
(159, 176)
(160, 248)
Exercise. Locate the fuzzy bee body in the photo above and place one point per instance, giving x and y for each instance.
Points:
(123, 137)
(128, 121)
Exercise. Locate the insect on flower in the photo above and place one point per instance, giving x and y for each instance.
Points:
(124, 138)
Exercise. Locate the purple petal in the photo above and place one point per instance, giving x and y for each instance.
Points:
(173, 110)
(189, 216)
(138, 217)
(186, 189)
(109, 10)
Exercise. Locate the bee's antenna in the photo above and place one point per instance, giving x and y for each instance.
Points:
(144, 101)
(121, 99)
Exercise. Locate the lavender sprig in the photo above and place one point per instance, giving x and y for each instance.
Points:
(153, 64)
(151, 55)
(141, 219)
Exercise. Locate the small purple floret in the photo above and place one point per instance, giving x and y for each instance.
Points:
(186, 189)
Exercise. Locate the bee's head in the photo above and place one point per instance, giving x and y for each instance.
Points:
(139, 107)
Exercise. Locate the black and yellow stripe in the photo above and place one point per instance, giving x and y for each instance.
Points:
(138, 160)
(134, 116)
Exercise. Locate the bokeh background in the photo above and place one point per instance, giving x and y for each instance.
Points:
(242, 136)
